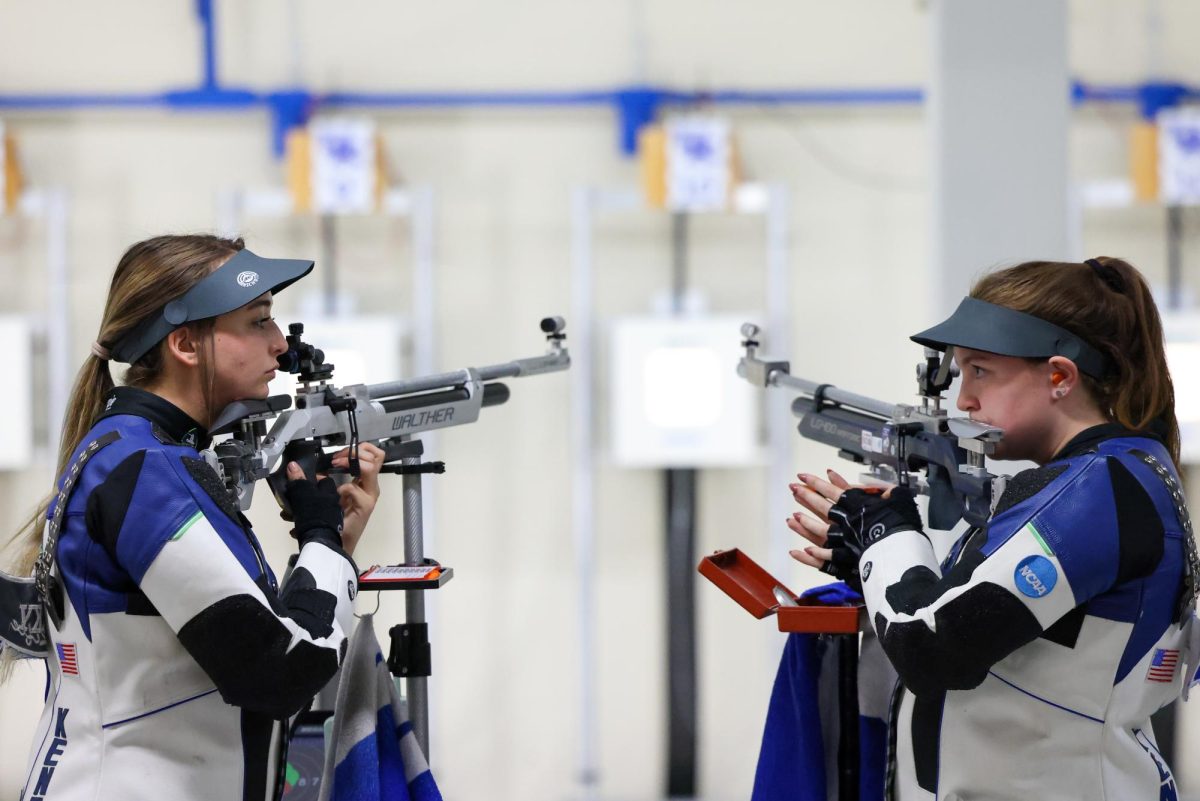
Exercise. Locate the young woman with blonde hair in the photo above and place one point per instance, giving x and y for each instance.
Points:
(174, 655)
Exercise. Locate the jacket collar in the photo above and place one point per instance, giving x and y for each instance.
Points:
(1091, 437)
(164, 415)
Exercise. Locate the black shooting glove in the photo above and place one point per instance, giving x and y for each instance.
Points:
(316, 510)
(843, 564)
(862, 517)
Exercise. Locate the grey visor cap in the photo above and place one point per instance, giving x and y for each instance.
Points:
(980, 325)
(232, 285)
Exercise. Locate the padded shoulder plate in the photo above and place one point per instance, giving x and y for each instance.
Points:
(1026, 484)
(208, 480)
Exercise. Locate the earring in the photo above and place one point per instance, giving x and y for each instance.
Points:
(1060, 393)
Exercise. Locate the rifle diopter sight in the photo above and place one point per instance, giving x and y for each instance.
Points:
(896, 442)
(303, 358)
(324, 415)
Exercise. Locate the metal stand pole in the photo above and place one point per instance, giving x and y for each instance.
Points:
(681, 574)
(1163, 721)
(416, 687)
(848, 745)
(583, 507)
(329, 272)
(681, 633)
(1174, 257)
(58, 351)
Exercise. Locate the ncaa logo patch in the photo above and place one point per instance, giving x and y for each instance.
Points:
(247, 278)
(866, 570)
(1035, 576)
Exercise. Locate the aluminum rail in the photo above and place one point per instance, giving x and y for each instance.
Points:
(782, 378)
(537, 365)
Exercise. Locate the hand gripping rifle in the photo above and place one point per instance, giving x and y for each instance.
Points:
(896, 441)
(325, 415)
(391, 415)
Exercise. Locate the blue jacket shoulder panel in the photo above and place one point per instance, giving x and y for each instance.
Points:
(1128, 450)
(1073, 516)
(1079, 516)
(142, 487)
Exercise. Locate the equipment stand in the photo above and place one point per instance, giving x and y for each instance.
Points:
(682, 729)
(848, 749)
(409, 657)
(416, 687)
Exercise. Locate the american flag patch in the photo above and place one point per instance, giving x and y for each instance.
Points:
(1162, 666)
(66, 658)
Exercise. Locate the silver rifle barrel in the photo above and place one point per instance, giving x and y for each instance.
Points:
(551, 362)
(778, 378)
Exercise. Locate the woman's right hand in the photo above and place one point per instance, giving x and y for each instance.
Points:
(316, 507)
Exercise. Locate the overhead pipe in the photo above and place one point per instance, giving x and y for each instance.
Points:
(635, 105)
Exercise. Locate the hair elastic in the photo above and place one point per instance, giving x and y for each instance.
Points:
(100, 352)
(1108, 274)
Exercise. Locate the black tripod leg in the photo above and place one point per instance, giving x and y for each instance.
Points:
(848, 748)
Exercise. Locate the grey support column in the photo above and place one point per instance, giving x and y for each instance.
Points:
(999, 107)
(416, 687)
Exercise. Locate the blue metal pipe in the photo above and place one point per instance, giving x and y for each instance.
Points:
(636, 105)
(825, 97)
(204, 10)
(458, 99)
(76, 101)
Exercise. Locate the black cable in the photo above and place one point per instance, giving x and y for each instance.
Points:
(836, 165)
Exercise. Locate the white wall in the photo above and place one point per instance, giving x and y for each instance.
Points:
(504, 692)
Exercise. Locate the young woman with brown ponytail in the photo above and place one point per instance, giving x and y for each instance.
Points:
(173, 654)
(1032, 657)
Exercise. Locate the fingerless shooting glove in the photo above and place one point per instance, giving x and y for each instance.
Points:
(863, 516)
(843, 563)
(316, 510)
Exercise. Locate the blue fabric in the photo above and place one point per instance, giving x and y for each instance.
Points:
(164, 498)
(374, 755)
(1160, 592)
(1075, 515)
(839, 592)
(872, 747)
(791, 760)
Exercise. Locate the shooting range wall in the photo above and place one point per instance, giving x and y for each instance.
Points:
(504, 694)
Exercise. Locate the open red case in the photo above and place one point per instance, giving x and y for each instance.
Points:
(745, 581)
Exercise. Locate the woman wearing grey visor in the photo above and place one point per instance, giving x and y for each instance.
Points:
(174, 655)
(1032, 657)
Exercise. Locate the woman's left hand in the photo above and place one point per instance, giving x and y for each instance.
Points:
(818, 497)
(358, 497)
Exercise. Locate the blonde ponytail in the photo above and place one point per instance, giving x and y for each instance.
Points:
(149, 275)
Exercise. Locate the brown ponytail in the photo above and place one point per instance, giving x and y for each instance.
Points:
(150, 274)
(1108, 303)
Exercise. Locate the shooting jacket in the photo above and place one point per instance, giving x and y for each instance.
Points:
(1031, 660)
(177, 656)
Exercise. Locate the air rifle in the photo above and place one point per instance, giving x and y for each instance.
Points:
(325, 415)
(895, 441)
